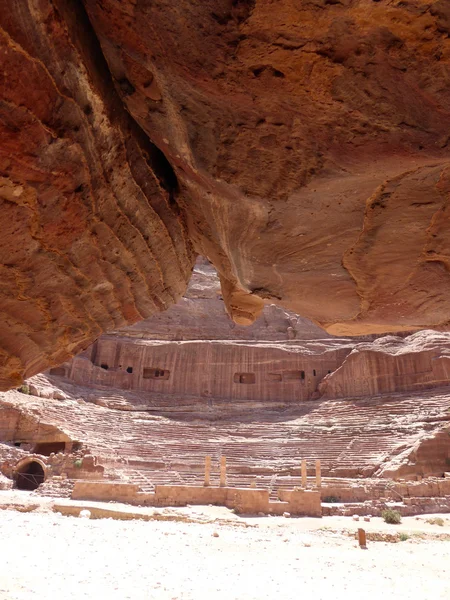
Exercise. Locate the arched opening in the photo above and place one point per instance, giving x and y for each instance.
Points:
(30, 476)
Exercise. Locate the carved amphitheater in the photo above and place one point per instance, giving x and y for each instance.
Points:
(157, 414)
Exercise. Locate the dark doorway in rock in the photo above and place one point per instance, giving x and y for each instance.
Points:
(30, 476)
(46, 448)
(129, 369)
(150, 373)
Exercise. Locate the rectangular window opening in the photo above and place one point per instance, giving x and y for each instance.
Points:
(244, 378)
(156, 373)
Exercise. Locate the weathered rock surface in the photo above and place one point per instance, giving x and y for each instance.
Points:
(90, 236)
(311, 139)
(200, 315)
(391, 364)
(194, 350)
(261, 372)
(404, 434)
(302, 146)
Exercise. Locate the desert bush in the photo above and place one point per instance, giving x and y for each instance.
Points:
(24, 389)
(78, 463)
(391, 516)
(436, 521)
(403, 537)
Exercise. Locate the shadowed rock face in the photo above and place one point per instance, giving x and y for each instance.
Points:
(302, 146)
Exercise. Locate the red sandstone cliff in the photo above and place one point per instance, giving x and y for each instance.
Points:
(300, 145)
(391, 364)
(200, 315)
(194, 351)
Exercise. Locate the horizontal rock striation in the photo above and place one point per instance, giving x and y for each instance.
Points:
(370, 437)
(279, 372)
(244, 371)
(302, 147)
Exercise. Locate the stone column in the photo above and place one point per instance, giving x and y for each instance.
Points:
(207, 470)
(362, 539)
(304, 474)
(318, 474)
(223, 471)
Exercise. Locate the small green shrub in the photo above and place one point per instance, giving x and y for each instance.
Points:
(24, 389)
(436, 521)
(391, 516)
(78, 463)
(330, 499)
(403, 537)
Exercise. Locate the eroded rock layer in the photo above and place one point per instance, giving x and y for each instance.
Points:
(200, 315)
(91, 237)
(393, 435)
(261, 372)
(312, 139)
(301, 145)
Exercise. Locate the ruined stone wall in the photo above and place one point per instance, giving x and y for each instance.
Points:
(300, 502)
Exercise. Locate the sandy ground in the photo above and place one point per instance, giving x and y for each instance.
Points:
(45, 555)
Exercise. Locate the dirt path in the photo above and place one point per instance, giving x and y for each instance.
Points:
(48, 556)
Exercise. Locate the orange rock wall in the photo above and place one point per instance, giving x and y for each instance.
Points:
(300, 145)
(90, 237)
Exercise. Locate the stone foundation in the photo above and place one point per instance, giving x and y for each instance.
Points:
(242, 500)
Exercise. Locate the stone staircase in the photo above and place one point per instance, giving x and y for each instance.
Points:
(352, 438)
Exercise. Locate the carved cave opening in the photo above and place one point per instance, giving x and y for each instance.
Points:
(244, 378)
(30, 476)
(46, 448)
(154, 373)
(129, 369)
(104, 366)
